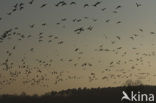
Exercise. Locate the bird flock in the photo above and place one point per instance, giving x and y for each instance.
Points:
(34, 56)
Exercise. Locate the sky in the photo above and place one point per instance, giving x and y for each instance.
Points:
(42, 48)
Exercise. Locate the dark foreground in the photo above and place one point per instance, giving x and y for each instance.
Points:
(94, 95)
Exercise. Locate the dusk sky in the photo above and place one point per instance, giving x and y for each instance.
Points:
(52, 45)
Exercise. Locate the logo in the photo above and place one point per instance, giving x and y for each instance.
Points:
(140, 97)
